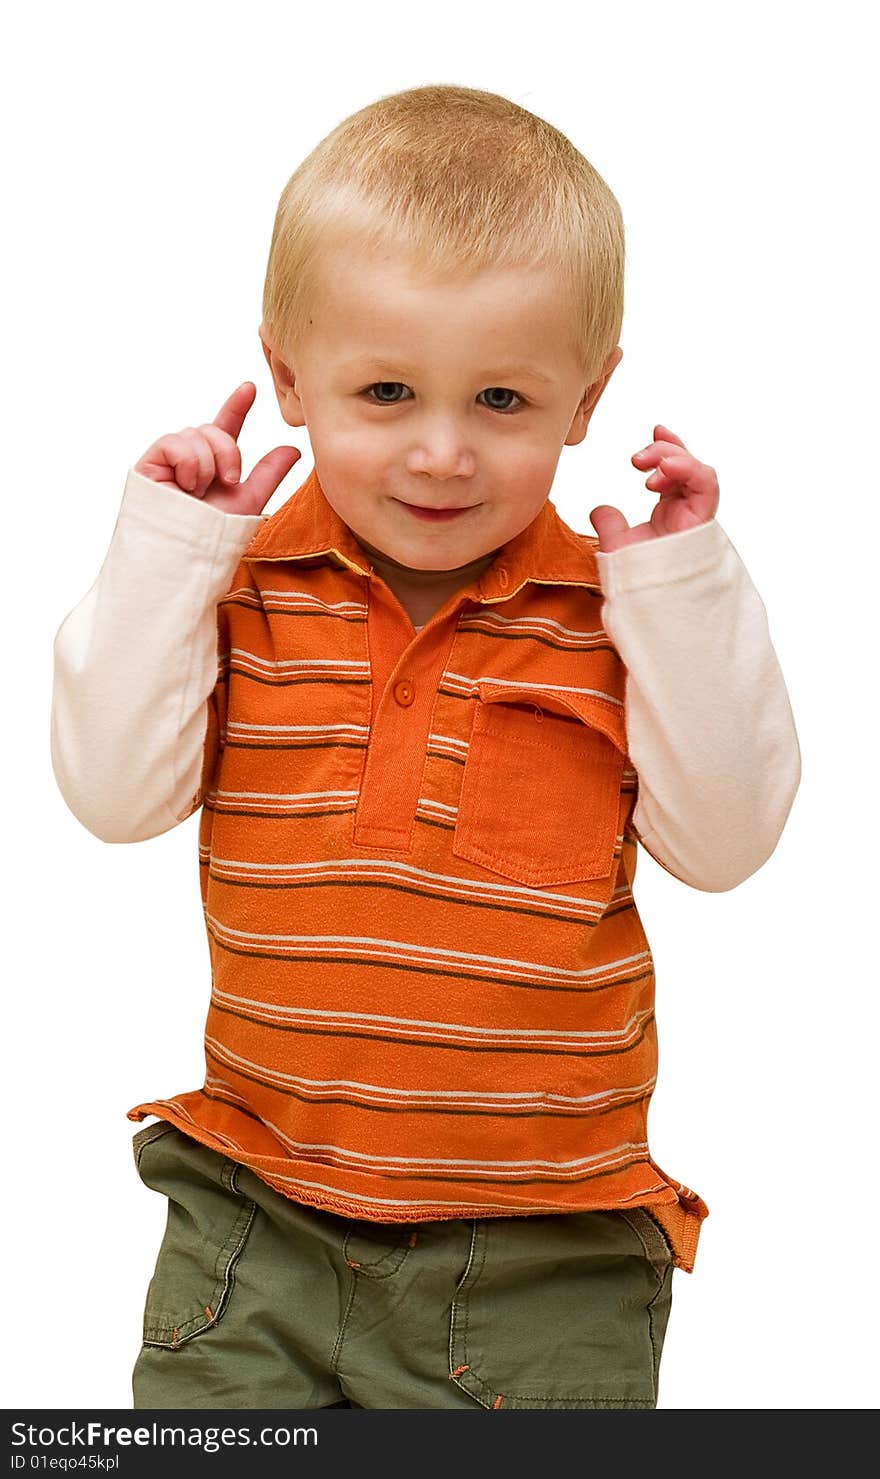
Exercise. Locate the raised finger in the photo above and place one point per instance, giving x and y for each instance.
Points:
(649, 456)
(230, 417)
(664, 434)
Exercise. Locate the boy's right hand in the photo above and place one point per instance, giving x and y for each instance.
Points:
(205, 461)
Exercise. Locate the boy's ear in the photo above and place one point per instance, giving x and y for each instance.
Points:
(578, 429)
(284, 380)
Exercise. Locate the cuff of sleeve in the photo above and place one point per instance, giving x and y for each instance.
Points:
(169, 512)
(671, 557)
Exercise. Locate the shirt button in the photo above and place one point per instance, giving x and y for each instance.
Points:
(404, 693)
(502, 577)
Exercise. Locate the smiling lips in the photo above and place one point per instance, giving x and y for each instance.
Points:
(432, 514)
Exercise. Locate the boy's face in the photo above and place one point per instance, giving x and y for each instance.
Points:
(452, 395)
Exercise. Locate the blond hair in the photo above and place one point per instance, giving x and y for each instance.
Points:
(457, 180)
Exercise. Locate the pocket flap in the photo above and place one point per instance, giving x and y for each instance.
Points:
(591, 708)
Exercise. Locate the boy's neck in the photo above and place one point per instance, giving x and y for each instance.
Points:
(422, 592)
(395, 573)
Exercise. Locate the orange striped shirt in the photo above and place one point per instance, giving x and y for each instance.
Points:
(432, 995)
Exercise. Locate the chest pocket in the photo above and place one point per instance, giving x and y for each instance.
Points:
(540, 793)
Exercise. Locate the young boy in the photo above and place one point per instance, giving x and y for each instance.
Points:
(427, 723)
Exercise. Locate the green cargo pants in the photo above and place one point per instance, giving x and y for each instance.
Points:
(261, 1302)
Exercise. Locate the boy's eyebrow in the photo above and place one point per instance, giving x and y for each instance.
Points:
(366, 362)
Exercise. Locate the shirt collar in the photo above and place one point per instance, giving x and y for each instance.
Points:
(547, 551)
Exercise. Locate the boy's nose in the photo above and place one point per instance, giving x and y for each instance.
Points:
(442, 459)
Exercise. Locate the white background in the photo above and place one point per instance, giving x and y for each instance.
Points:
(146, 148)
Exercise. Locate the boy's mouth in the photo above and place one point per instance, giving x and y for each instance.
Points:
(434, 514)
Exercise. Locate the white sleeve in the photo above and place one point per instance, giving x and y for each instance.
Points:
(136, 661)
(710, 729)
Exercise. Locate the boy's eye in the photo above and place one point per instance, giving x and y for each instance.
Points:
(385, 394)
(382, 387)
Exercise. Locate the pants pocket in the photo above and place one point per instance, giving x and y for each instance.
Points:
(207, 1227)
(561, 1312)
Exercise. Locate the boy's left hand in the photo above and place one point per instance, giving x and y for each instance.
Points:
(688, 491)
